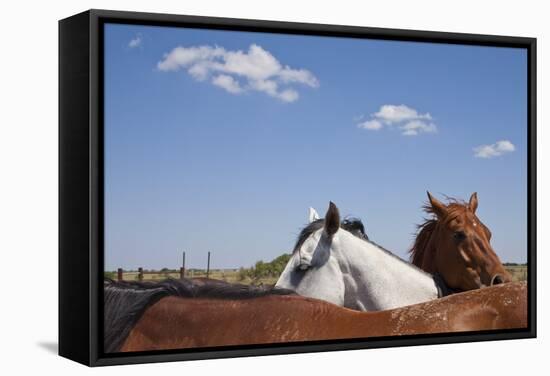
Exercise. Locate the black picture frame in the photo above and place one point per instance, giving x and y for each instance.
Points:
(81, 182)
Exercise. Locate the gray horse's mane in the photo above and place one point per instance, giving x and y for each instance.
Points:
(355, 227)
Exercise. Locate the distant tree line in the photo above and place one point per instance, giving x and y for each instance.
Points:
(513, 264)
(110, 275)
(263, 269)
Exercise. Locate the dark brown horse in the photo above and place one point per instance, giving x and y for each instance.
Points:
(455, 244)
(181, 314)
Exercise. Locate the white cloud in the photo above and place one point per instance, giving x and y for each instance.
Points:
(188, 56)
(299, 75)
(414, 127)
(228, 83)
(494, 150)
(372, 125)
(288, 95)
(408, 120)
(395, 114)
(136, 42)
(238, 71)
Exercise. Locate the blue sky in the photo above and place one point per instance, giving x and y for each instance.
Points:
(220, 141)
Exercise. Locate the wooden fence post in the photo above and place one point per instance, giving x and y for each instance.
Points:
(119, 274)
(182, 269)
(208, 266)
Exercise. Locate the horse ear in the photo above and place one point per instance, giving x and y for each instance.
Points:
(313, 215)
(473, 202)
(332, 219)
(437, 206)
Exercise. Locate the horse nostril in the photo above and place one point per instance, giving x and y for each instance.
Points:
(497, 280)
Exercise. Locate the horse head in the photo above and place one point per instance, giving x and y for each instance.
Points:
(457, 245)
(314, 268)
(309, 242)
(332, 219)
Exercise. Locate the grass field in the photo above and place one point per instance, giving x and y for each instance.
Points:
(228, 275)
(519, 273)
(132, 275)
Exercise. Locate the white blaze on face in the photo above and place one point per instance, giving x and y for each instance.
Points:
(465, 256)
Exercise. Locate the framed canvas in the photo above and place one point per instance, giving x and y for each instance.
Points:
(235, 187)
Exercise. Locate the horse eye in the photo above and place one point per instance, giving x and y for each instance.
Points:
(459, 236)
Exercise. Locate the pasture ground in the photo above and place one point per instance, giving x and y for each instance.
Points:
(519, 273)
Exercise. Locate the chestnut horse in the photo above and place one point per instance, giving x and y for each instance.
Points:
(455, 244)
(181, 314)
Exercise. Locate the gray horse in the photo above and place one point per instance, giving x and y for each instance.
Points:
(336, 262)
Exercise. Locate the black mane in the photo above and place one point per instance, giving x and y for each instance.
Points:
(125, 302)
(353, 225)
